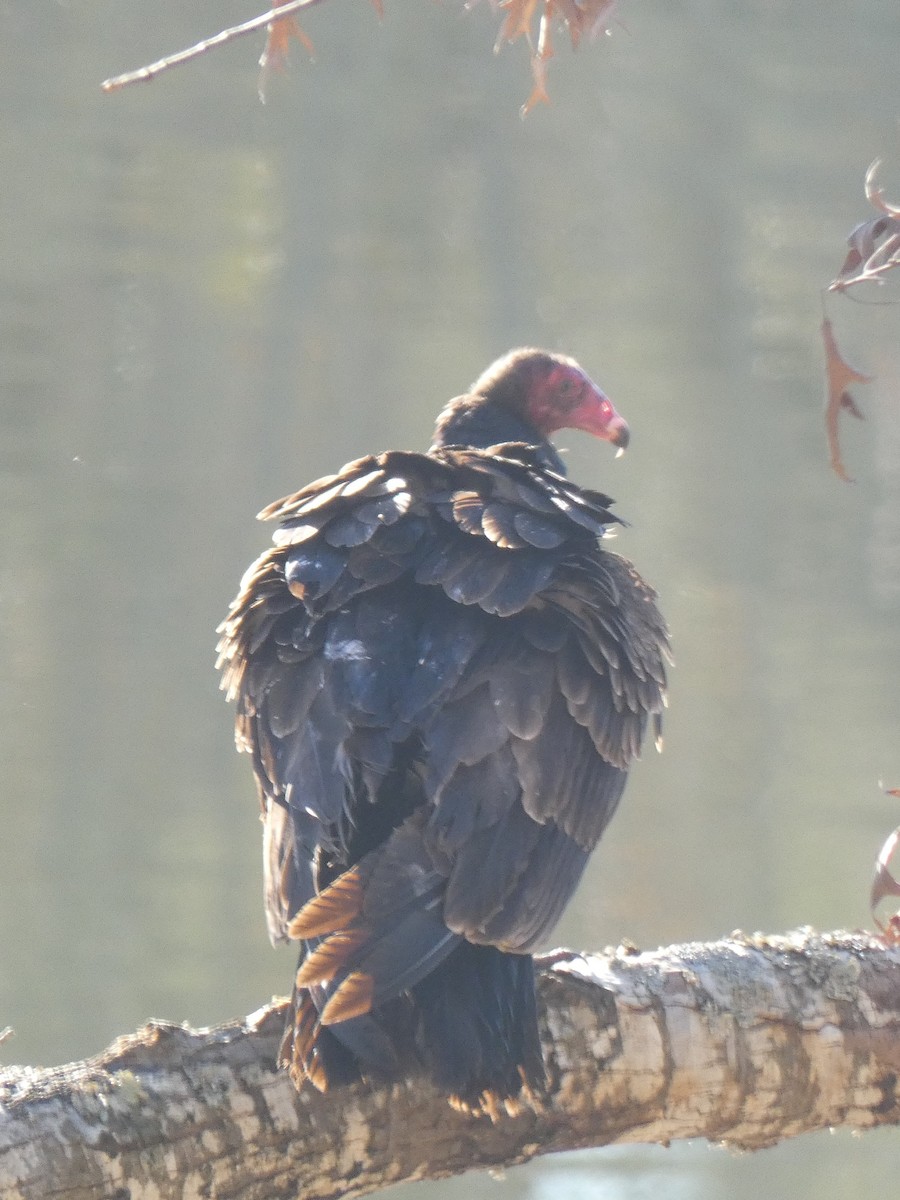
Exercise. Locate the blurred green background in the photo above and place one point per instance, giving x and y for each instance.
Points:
(206, 302)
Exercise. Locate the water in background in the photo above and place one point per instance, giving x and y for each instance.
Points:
(205, 303)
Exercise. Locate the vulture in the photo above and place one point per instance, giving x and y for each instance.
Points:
(441, 678)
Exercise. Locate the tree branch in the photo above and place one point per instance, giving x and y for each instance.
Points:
(522, 18)
(744, 1041)
(148, 74)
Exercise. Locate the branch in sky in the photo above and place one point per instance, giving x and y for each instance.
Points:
(531, 19)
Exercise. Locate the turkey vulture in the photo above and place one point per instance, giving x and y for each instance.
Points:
(441, 678)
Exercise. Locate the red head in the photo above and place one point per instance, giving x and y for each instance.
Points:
(551, 392)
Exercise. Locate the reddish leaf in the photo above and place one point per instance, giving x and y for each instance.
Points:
(573, 14)
(517, 22)
(839, 375)
(539, 61)
(278, 40)
(582, 18)
(874, 246)
(884, 884)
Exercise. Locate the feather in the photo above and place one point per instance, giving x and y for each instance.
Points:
(330, 957)
(538, 532)
(474, 798)
(522, 697)
(525, 576)
(335, 907)
(463, 732)
(313, 571)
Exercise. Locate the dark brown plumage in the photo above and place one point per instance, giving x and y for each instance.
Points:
(442, 679)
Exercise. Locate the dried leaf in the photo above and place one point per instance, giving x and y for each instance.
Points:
(874, 250)
(875, 195)
(584, 18)
(539, 62)
(517, 22)
(884, 884)
(275, 53)
(862, 245)
(874, 246)
(839, 375)
(573, 15)
(581, 17)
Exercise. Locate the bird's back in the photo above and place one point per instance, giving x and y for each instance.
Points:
(442, 679)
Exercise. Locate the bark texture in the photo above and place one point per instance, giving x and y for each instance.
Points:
(745, 1041)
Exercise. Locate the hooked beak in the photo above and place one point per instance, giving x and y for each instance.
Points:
(619, 434)
(596, 415)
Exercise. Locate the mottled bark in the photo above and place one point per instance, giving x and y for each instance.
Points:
(744, 1041)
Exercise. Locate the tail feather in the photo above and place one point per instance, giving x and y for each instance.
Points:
(382, 927)
(353, 998)
(382, 970)
(363, 967)
(310, 1053)
(332, 957)
(332, 1057)
(479, 1030)
(334, 908)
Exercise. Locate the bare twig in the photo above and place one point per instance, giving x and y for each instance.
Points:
(874, 246)
(583, 18)
(148, 73)
(882, 259)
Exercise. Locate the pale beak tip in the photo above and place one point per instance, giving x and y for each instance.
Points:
(620, 435)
